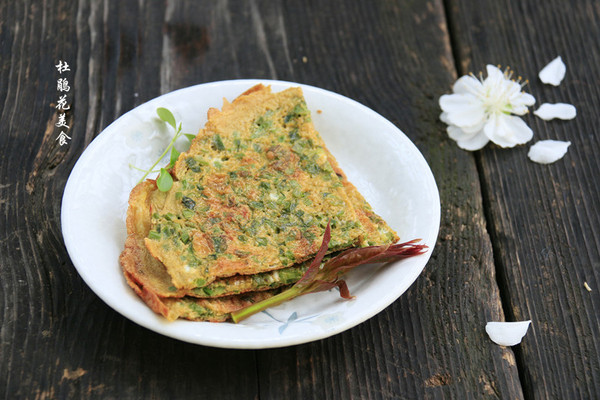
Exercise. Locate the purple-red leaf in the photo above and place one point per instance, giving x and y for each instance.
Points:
(329, 275)
(351, 258)
(400, 251)
(318, 279)
(344, 291)
(314, 266)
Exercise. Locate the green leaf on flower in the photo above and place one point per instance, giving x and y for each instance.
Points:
(190, 136)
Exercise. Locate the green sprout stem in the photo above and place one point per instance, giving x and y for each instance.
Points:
(324, 276)
(267, 303)
(171, 144)
(143, 170)
(165, 180)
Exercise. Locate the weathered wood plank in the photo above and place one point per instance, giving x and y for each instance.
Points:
(395, 58)
(58, 340)
(544, 220)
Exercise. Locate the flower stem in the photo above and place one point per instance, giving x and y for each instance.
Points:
(244, 313)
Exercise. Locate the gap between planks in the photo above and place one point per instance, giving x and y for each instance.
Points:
(499, 273)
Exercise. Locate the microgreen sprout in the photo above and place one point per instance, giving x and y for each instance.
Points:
(165, 180)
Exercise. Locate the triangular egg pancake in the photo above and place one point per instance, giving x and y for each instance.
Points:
(247, 211)
(254, 193)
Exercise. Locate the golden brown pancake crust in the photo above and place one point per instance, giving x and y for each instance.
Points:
(249, 203)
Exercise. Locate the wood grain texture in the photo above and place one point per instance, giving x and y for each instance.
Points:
(544, 219)
(428, 342)
(58, 340)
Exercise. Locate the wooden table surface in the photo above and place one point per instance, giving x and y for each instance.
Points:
(517, 241)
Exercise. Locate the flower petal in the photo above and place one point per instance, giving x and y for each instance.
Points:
(462, 109)
(548, 151)
(467, 85)
(521, 102)
(507, 130)
(494, 74)
(554, 72)
(548, 111)
(473, 129)
(470, 141)
(507, 333)
(527, 99)
(457, 133)
(444, 118)
(474, 143)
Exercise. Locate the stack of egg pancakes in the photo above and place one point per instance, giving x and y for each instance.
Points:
(247, 211)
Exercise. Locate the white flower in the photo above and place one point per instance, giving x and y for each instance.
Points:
(554, 72)
(548, 151)
(480, 110)
(548, 111)
(507, 333)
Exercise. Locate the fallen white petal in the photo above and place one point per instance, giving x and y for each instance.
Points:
(548, 111)
(548, 151)
(554, 72)
(507, 333)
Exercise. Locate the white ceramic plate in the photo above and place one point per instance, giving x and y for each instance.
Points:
(377, 157)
